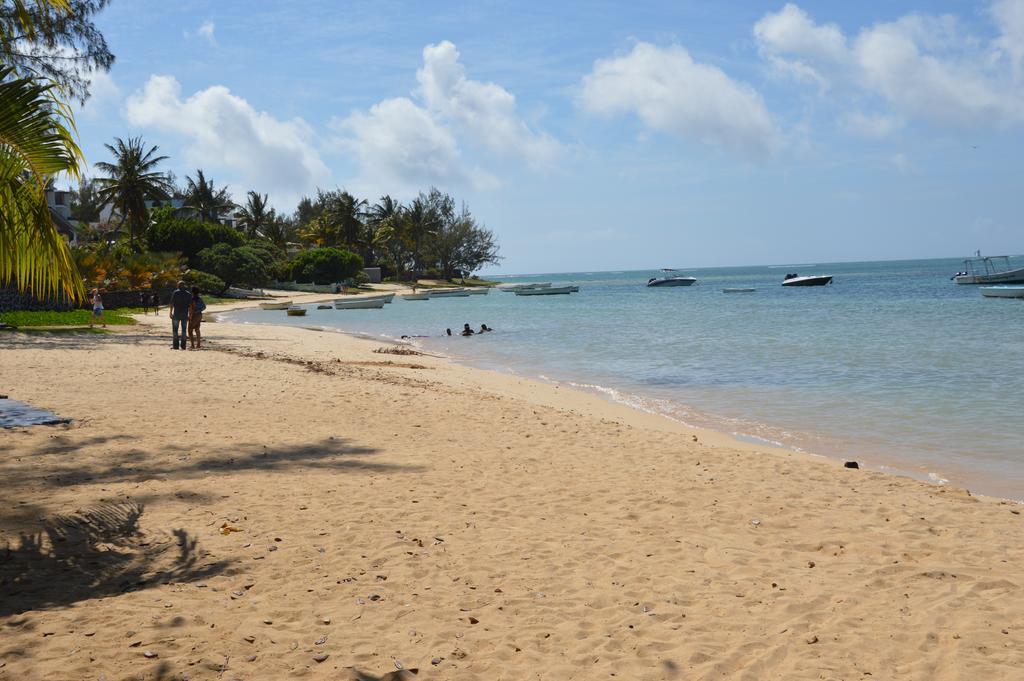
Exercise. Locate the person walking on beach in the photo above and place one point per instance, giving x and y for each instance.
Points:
(181, 302)
(195, 318)
(97, 308)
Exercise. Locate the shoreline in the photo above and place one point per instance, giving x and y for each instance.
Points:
(290, 502)
(877, 462)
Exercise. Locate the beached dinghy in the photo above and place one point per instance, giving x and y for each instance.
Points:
(276, 305)
(1003, 291)
(424, 295)
(811, 280)
(551, 291)
(296, 311)
(360, 304)
(671, 281)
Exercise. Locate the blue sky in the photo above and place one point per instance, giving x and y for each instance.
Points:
(598, 135)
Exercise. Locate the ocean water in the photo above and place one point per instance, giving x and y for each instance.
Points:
(892, 365)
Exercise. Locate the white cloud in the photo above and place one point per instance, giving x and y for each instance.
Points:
(399, 143)
(206, 32)
(670, 92)
(410, 142)
(870, 126)
(921, 66)
(485, 112)
(225, 134)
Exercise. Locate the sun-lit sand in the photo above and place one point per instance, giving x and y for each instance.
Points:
(289, 503)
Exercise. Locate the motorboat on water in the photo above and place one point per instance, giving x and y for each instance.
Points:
(738, 290)
(325, 306)
(276, 305)
(671, 281)
(477, 290)
(512, 288)
(359, 303)
(422, 295)
(386, 297)
(1003, 291)
(990, 269)
(449, 293)
(296, 311)
(549, 291)
(795, 279)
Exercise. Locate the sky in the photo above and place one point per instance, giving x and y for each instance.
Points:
(600, 135)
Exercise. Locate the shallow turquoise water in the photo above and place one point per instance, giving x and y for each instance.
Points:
(893, 364)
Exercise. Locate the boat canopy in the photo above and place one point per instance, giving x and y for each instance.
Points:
(988, 264)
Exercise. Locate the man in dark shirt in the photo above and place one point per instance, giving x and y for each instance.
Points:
(180, 301)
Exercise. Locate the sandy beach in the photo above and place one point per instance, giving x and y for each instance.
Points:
(292, 503)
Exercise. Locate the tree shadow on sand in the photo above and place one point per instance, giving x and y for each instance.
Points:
(95, 553)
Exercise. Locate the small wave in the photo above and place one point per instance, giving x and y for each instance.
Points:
(937, 479)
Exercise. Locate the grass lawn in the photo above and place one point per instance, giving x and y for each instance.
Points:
(70, 318)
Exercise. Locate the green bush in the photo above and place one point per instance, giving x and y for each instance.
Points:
(207, 283)
(188, 237)
(222, 234)
(325, 266)
(361, 278)
(433, 273)
(247, 266)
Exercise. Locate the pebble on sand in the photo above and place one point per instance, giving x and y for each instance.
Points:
(320, 657)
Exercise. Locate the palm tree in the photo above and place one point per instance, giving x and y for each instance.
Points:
(319, 232)
(347, 213)
(394, 239)
(133, 179)
(37, 141)
(206, 199)
(279, 231)
(255, 215)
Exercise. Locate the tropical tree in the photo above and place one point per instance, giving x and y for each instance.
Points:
(56, 41)
(131, 180)
(426, 214)
(347, 213)
(279, 231)
(320, 233)
(203, 196)
(255, 215)
(37, 141)
(85, 201)
(392, 238)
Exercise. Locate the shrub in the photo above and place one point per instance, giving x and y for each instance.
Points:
(207, 283)
(243, 266)
(361, 278)
(222, 234)
(325, 266)
(188, 237)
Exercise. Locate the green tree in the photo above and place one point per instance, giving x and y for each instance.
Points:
(202, 195)
(244, 266)
(85, 201)
(37, 142)
(392, 239)
(132, 180)
(325, 266)
(56, 41)
(460, 245)
(255, 215)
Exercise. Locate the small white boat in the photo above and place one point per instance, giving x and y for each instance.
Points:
(325, 306)
(296, 311)
(672, 281)
(477, 290)
(992, 269)
(512, 288)
(550, 291)
(423, 295)
(449, 293)
(359, 304)
(386, 297)
(1004, 291)
(738, 290)
(276, 305)
(810, 280)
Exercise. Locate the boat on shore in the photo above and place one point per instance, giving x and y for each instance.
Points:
(296, 311)
(671, 281)
(449, 293)
(738, 290)
(421, 295)
(1003, 291)
(359, 304)
(549, 291)
(810, 280)
(990, 269)
(276, 305)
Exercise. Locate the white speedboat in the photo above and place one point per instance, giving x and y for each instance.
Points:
(449, 293)
(422, 295)
(671, 281)
(276, 305)
(512, 288)
(1004, 291)
(738, 290)
(992, 269)
(550, 291)
(359, 304)
(810, 280)
(296, 311)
